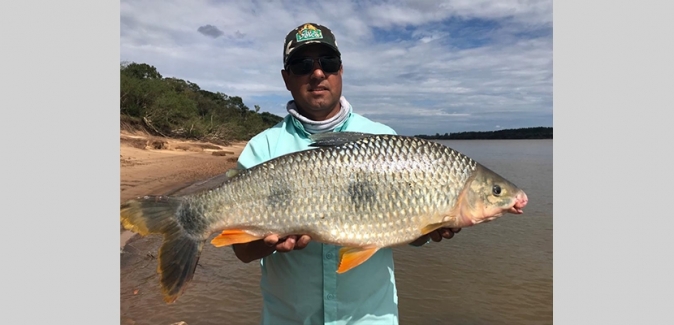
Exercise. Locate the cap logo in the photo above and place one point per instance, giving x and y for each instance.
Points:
(308, 32)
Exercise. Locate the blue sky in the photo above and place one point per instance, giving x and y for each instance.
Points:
(422, 67)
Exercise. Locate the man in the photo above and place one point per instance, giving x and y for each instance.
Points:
(299, 282)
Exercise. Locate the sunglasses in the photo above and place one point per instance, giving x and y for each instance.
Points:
(302, 66)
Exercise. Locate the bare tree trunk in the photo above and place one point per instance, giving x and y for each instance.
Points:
(147, 122)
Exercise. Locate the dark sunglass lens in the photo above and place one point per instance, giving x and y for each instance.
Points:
(330, 64)
(301, 66)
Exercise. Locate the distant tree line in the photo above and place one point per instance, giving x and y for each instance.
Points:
(177, 108)
(521, 133)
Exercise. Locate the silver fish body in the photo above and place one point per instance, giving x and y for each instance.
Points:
(359, 191)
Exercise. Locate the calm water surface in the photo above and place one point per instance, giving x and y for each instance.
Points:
(495, 273)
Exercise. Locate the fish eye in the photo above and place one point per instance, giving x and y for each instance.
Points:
(496, 190)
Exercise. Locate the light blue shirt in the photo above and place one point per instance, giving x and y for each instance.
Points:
(303, 287)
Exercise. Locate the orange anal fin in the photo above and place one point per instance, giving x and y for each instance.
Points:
(350, 257)
(233, 236)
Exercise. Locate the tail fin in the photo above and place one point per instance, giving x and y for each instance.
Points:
(179, 252)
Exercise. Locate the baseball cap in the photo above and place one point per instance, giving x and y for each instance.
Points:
(308, 33)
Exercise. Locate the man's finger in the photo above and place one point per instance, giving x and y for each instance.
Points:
(271, 240)
(455, 230)
(287, 245)
(435, 236)
(302, 242)
(446, 233)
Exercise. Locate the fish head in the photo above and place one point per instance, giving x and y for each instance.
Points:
(487, 196)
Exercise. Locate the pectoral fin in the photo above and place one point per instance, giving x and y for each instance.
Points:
(428, 228)
(350, 257)
(449, 220)
(233, 236)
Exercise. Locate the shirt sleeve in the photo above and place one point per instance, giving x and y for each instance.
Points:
(255, 152)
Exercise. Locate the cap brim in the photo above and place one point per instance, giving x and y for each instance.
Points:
(298, 47)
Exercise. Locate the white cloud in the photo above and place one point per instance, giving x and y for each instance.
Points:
(420, 66)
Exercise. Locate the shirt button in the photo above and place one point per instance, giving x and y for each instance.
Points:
(329, 256)
(331, 296)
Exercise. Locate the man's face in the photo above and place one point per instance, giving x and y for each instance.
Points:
(316, 93)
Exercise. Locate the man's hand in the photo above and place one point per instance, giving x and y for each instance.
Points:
(288, 243)
(258, 249)
(436, 236)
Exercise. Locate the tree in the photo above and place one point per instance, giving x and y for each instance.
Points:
(140, 71)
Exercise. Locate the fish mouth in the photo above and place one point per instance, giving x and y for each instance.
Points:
(521, 201)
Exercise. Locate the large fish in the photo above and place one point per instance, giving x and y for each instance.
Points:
(359, 191)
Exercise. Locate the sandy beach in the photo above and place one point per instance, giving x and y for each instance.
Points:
(156, 165)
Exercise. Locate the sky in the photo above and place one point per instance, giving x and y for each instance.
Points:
(419, 66)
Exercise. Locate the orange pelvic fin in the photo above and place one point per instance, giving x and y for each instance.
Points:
(233, 236)
(350, 257)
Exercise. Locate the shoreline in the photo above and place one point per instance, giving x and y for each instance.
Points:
(151, 165)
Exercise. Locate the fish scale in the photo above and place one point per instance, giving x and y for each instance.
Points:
(360, 191)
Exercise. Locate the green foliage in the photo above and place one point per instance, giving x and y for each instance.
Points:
(521, 133)
(140, 71)
(179, 108)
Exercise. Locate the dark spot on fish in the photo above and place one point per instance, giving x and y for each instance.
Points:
(190, 220)
(280, 193)
(363, 194)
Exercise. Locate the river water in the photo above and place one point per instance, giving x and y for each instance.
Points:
(495, 273)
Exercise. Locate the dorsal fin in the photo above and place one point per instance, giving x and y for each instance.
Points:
(207, 184)
(329, 139)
